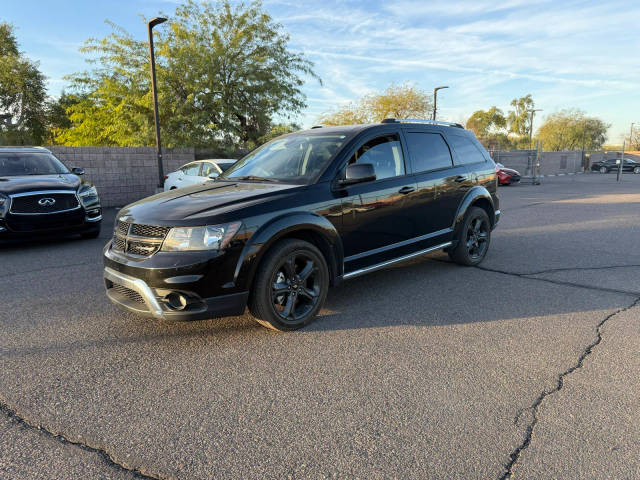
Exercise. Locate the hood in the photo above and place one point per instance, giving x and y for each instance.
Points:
(30, 183)
(198, 203)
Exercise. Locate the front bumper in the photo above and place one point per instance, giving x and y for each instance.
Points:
(136, 296)
(17, 227)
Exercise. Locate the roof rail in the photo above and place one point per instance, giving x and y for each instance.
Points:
(317, 126)
(420, 120)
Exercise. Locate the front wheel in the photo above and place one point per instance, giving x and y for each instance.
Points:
(473, 238)
(290, 286)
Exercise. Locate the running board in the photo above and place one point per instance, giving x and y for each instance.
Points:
(378, 266)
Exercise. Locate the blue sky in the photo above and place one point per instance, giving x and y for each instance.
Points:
(567, 54)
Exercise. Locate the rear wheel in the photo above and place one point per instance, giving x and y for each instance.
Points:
(603, 169)
(636, 170)
(290, 286)
(473, 238)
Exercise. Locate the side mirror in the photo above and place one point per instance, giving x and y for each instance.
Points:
(77, 171)
(213, 175)
(358, 173)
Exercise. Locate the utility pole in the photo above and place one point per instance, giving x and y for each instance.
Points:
(631, 137)
(435, 101)
(532, 111)
(153, 23)
(621, 164)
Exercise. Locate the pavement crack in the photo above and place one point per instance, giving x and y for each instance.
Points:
(529, 276)
(569, 269)
(106, 456)
(514, 456)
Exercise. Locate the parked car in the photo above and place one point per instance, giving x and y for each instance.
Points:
(507, 176)
(611, 165)
(300, 213)
(196, 172)
(40, 195)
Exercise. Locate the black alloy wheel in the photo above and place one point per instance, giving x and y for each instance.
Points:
(295, 287)
(290, 287)
(477, 235)
(474, 237)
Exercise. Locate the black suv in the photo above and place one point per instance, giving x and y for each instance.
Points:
(303, 212)
(39, 195)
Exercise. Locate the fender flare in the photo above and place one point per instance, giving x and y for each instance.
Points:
(275, 229)
(472, 196)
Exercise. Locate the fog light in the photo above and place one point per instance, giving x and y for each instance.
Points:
(176, 301)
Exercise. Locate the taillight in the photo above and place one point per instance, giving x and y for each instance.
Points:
(166, 176)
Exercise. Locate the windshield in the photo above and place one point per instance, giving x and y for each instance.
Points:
(16, 164)
(296, 159)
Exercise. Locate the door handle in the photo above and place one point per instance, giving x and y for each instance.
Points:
(460, 178)
(405, 190)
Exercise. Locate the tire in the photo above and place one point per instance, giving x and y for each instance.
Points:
(636, 170)
(473, 239)
(603, 170)
(282, 298)
(91, 234)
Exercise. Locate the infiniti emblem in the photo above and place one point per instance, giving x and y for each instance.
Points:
(47, 202)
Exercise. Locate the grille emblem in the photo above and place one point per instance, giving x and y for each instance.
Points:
(47, 202)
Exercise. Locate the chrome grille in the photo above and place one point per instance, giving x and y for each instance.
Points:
(44, 202)
(138, 240)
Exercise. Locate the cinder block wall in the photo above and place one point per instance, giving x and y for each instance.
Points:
(552, 163)
(122, 174)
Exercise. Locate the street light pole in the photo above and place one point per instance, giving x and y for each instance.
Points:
(151, 24)
(435, 101)
(532, 111)
(631, 136)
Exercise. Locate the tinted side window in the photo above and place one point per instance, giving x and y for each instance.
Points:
(191, 169)
(428, 151)
(384, 153)
(466, 150)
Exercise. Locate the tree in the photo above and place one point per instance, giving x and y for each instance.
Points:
(57, 119)
(490, 128)
(566, 130)
(519, 120)
(402, 101)
(22, 94)
(223, 71)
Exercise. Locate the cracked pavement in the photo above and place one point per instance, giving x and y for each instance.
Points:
(524, 368)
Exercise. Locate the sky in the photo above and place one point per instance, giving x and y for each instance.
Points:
(566, 53)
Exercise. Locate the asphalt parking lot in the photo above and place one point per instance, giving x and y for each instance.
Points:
(526, 367)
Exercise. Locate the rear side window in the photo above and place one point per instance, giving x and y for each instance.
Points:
(467, 152)
(428, 151)
(384, 153)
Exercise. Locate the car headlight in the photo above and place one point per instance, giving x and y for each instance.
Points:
(4, 205)
(88, 196)
(210, 237)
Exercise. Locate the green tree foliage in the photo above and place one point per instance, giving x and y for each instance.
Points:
(224, 71)
(398, 101)
(490, 128)
(22, 94)
(565, 130)
(518, 118)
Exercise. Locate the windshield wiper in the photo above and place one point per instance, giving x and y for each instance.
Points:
(253, 178)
